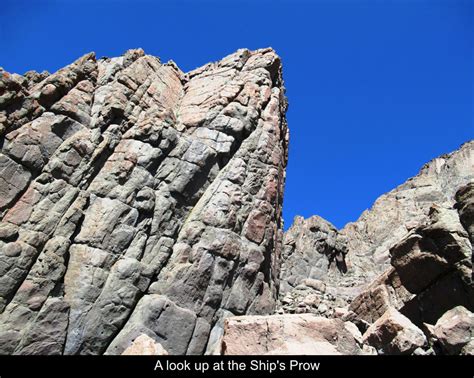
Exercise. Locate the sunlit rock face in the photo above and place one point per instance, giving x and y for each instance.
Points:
(138, 200)
(343, 262)
(141, 213)
(402, 273)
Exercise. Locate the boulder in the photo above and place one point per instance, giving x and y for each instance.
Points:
(394, 333)
(455, 330)
(144, 345)
(289, 335)
(431, 250)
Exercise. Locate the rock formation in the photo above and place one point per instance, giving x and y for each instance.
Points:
(431, 273)
(393, 333)
(138, 201)
(140, 212)
(400, 270)
(346, 261)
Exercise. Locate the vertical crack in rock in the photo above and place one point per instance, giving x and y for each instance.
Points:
(137, 199)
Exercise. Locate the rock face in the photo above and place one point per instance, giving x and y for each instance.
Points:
(348, 260)
(139, 200)
(431, 273)
(314, 268)
(140, 213)
(288, 334)
(465, 206)
(430, 283)
(397, 271)
(406, 207)
(314, 249)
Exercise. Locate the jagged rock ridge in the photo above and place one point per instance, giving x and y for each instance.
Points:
(404, 208)
(139, 202)
(347, 260)
(402, 273)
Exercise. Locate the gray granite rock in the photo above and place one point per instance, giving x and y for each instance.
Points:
(139, 199)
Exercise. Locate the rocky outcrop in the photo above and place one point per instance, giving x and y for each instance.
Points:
(314, 249)
(313, 274)
(465, 206)
(139, 200)
(348, 260)
(430, 284)
(140, 213)
(431, 273)
(393, 333)
(454, 331)
(398, 280)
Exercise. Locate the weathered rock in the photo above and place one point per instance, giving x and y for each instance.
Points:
(432, 269)
(465, 206)
(405, 208)
(313, 249)
(365, 276)
(313, 264)
(140, 206)
(147, 199)
(431, 251)
(393, 333)
(384, 292)
(455, 330)
(145, 345)
(468, 349)
(427, 227)
(288, 334)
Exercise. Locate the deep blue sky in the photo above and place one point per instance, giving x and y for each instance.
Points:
(376, 88)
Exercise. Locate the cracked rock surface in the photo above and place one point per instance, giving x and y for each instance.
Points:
(402, 274)
(325, 269)
(139, 201)
(141, 213)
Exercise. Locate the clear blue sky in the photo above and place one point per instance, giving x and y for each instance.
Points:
(376, 88)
